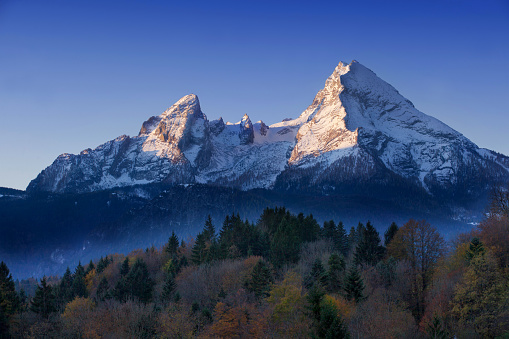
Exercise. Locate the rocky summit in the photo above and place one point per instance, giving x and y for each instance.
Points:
(358, 130)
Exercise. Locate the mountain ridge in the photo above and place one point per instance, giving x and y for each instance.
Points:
(358, 127)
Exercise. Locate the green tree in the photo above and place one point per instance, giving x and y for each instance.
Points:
(102, 292)
(199, 253)
(390, 233)
(209, 230)
(124, 269)
(173, 245)
(138, 282)
(260, 280)
(43, 303)
(331, 326)
(317, 274)
(90, 267)
(369, 251)
(79, 287)
(169, 288)
(354, 285)
(435, 329)
(475, 248)
(335, 272)
(9, 301)
(65, 291)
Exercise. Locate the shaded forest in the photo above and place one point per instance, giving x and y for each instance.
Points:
(284, 276)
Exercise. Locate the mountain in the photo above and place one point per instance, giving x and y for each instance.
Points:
(359, 152)
(358, 130)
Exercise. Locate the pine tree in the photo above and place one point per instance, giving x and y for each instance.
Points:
(173, 245)
(368, 250)
(390, 233)
(90, 267)
(475, 248)
(436, 330)
(9, 301)
(43, 302)
(199, 251)
(335, 272)
(209, 230)
(79, 288)
(331, 326)
(314, 298)
(65, 291)
(260, 281)
(354, 286)
(124, 269)
(138, 282)
(329, 230)
(341, 241)
(317, 274)
(102, 289)
(169, 288)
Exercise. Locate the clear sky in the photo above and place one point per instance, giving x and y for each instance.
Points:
(75, 74)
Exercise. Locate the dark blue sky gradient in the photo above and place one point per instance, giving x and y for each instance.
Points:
(75, 74)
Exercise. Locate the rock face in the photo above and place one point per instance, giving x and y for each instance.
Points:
(358, 129)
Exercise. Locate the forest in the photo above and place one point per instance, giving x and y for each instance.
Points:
(284, 276)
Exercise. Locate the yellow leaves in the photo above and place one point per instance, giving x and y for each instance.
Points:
(90, 280)
(79, 318)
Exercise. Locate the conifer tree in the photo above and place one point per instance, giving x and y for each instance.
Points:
(43, 303)
(90, 267)
(102, 264)
(354, 285)
(341, 240)
(173, 245)
(102, 289)
(138, 282)
(209, 230)
(9, 301)
(368, 250)
(390, 233)
(79, 288)
(65, 290)
(335, 272)
(169, 288)
(329, 230)
(199, 251)
(317, 274)
(475, 248)
(124, 269)
(260, 281)
(331, 326)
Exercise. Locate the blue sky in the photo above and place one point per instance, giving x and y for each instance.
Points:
(75, 74)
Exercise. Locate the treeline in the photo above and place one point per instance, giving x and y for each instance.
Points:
(285, 276)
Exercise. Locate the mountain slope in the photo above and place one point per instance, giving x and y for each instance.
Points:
(358, 129)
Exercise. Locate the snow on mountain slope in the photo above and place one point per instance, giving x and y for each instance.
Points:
(357, 126)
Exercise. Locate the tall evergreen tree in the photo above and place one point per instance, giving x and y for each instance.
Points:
(124, 269)
(209, 230)
(90, 267)
(65, 290)
(390, 233)
(260, 281)
(336, 272)
(341, 240)
(331, 326)
(169, 288)
(79, 287)
(475, 248)
(138, 282)
(43, 303)
(102, 292)
(9, 301)
(368, 250)
(173, 245)
(199, 251)
(354, 285)
(317, 274)
(329, 230)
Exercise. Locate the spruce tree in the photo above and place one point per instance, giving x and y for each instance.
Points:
(475, 248)
(90, 267)
(173, 245)
(199, 251)
(335, 272)
(65, 291)
(341, 240)
(354, 285)
(331, 326)
(124, 269)
(138, 282)
(317, 274)
(209, 230)
(369, 251)
(9, 302)
(79, 287)
(102, 289)
(169, 288)
(260, 281)
(43, 303)
(390, 233)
